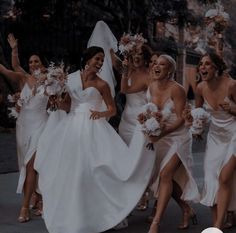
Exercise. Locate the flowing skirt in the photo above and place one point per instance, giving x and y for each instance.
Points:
(29, 126)
(221, 146)
(90, 180)
(178, 142)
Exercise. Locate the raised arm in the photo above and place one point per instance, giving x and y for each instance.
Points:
(14, 77)
(14, 54)
(116, 61)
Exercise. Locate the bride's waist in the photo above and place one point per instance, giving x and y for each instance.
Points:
(84, 108)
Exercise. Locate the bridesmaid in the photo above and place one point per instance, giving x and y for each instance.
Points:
(35, 63)
(173, 146)
(188, 212)
(29, 125)
(218, 92)
(134, 85)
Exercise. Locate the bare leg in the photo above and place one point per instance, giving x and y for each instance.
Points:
(188, 212)
(165, 190)
(225, 191)
(176, 194)
(29, 187)
(214, 214)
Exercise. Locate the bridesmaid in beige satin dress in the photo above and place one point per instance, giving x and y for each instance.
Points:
(217, 92)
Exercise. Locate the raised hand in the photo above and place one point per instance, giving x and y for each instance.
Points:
(12, 41)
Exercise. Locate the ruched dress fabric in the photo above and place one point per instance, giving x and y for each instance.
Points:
(178, 142)
(221, 146)
(133, 106)
(29, 126)
(90, 180)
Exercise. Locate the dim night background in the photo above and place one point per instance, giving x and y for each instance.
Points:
(59, 30)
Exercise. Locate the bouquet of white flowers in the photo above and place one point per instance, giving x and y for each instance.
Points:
(56, 79)
(200, 118)
(128, 42)
(55, 83)
(150, 120)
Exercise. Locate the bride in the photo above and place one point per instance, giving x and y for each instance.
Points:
(90, 180)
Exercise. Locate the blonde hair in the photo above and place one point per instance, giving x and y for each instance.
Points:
(171, 62)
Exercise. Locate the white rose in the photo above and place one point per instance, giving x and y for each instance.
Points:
(153, 126)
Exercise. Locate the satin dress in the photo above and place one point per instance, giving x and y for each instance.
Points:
(89, 179)
(29, 126)
(133, 106)
(221, 146)
(178, 142)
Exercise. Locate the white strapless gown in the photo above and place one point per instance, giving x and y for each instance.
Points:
(89, 179)
(29, 126)
(133, 106)
(221, 146)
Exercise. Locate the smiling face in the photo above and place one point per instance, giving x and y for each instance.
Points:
(161, 69)
(207, 69)
(137, 57)
(96, 62)
(34, 63)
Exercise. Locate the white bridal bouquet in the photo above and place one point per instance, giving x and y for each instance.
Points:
(199, 119)
(151, 120)
(56, 79)
(128, 42)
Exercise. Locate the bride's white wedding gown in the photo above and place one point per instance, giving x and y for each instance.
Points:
(90, 180)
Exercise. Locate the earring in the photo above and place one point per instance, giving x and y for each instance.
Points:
(86, 67)
(100, 70)
(198, 77)
(168, 75)
(216, 75)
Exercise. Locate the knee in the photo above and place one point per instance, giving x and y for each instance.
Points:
(30, 167)
(224, 181)
(165, 176)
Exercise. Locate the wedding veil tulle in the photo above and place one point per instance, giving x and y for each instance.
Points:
(103, 37)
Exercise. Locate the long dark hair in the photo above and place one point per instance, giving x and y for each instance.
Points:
(89, 53)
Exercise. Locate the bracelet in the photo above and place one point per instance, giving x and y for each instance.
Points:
(14, 54)
(125, 76)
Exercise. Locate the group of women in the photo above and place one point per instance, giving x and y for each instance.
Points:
(91, 177)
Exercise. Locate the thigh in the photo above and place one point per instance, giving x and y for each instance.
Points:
(171, 166)
(228, 170)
